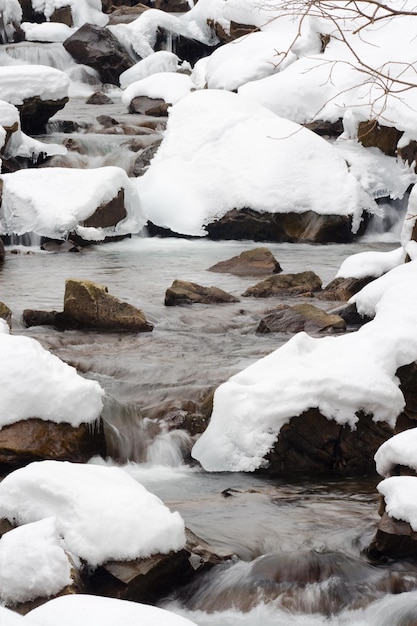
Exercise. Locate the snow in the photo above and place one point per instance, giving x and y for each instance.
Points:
(47, 31)
(53, 201)
(168, 86)
(398, 450)
(371, 263)
(400, 495)
(161, 61)
(35, 383)
(100, 512)
(85, 610)
(221, 152)
(82, 10)
(33, 562)
(338, 375)
(11, 13)
(19, 82)
(245, 59)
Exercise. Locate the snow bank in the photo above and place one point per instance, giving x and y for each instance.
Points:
(161, 61)
(33, 563)
(85, 610)
(19, 82)
(35, 383)
(100, 512)
(338, 375)
(53, 201)
(400, 495)
(168, 86)
(221, 151)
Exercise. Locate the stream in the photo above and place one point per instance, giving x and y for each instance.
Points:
(298, 544)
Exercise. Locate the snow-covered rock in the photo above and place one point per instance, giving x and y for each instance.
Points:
(54, 201)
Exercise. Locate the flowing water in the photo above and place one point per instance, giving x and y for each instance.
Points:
(297, 545)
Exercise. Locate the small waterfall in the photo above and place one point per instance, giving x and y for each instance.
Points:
(130, 437)
(49, 54)
(388, 227)
(27, 240)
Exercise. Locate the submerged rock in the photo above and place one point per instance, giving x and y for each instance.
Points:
(285, 285)
(183, 292)
(257, 262)
(301, 317)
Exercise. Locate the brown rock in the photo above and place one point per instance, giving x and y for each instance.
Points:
(125, 14)
(183, 292)
(32, 317)
(6, 313)
(258, 262)
(172, 6)
(149, 106)
(63, 15)
(90, 306)
(301, 317)
(147, 580)
(343, 288)
(35, 439)
(97, 47)
(35, 113)
(372, 134)
(285, 285)
(394, 539)
(108, 214)
(308, 227)
(325, 128)
(312, 444)
(99, 98)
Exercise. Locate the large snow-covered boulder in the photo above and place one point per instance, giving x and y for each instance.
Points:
(36, 90)
(222, 152)
(52, 202)
(350, 381)
(11, 16)
(154, 94)
(70, 12)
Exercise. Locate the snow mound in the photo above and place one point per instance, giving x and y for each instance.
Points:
(19, 82)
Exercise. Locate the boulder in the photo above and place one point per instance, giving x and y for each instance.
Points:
(90, 306)
(149, 106)
(373, 134)
(109, 213)
(6, 313)
(394, 539)
(147, 580)
(183, 292)
(35, 113)
(257, 262)
(97, 47)
(185, 48)
(235, 31)
(309, 227)
(301, 317)
(99, 97)
(343, 288)
(349, 313)
(324, 128)
(124, 14)
(35, 439)
(312, 444)
(285, 285)
(172, 6)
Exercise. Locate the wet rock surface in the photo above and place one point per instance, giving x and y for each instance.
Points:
(257, 262)
(285, 285)
(301, 317)
(183, 292)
